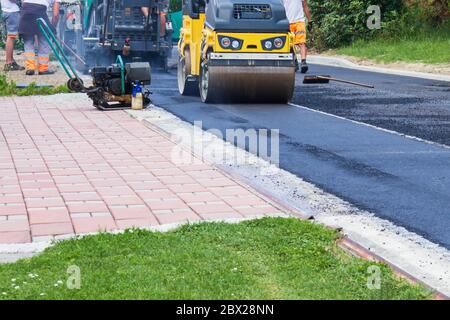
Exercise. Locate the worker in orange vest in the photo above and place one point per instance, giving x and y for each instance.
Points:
(297, 11)
(162, 14)
(29, 30)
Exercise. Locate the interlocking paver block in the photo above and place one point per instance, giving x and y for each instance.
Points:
(89, 206)
(221, 216)
(14, 225)
(174, 217)
(166, 204)
(41, 193)
(81, 196)
(244, 200)
(66, 169)
(44, 202)
(8, 210)
(51, 215)
(51, 229)
(136, 223)
(130, 212)
(93, 224)
(15, 237)
(211, 207)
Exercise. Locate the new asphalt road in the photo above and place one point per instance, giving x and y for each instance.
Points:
(325, 139)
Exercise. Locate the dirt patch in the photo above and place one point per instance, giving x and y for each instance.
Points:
(19, 77)
(442, 68)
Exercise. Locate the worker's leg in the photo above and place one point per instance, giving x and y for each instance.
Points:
(43, 55)
(9, 48)
(145, 11)
(30, 57)
(162, 31)
(163, 14)
(303, 51)
(299, 31)
(12, 28)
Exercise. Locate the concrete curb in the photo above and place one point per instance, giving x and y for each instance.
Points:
(344, 63)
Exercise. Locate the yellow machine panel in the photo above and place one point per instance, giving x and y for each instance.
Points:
(253, 42)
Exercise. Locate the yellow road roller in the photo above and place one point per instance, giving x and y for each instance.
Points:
(236, 51)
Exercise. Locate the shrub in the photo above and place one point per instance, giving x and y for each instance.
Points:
(342, 22)
(175, 5)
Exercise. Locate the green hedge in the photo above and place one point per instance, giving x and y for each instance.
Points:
(339, 23)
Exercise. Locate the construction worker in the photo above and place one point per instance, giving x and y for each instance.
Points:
(11, 15)
(162, 14)
(29, 30)
(296, 10)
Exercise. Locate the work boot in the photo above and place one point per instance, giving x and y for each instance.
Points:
(46, 72)
(304, 67)
(13, 66)
(29, 72)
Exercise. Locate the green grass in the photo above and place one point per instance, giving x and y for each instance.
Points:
(8, 88)
(272, 258)
(432, 47)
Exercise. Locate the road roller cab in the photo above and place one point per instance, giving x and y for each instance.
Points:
(236, 51)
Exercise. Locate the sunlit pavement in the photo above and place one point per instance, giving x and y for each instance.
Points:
(67, 169)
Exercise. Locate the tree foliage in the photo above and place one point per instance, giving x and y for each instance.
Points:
(436, 11)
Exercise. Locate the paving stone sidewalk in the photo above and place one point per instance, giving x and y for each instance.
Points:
(66, 168)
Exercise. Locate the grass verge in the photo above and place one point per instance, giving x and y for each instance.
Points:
(430, 46)
(271, 258)
(9, 88)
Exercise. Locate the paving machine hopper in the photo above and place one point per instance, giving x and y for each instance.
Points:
(236, 51)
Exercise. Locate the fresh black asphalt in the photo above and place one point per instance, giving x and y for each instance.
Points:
(403, 180)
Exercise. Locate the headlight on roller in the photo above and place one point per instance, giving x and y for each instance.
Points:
(230, 43)
(278, 42)
(225, 42)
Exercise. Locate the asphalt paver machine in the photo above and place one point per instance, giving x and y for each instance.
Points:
(119, 27)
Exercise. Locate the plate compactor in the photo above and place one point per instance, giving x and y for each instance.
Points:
(236, 51)
(113, 85)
